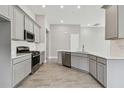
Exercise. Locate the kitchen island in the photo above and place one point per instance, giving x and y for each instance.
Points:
(108, 71)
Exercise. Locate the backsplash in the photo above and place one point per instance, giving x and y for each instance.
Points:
(117, 48)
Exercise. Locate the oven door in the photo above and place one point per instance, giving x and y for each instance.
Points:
(35, 60)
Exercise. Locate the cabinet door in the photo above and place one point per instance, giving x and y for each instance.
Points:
(37, 33)
(111, 26)
(28, 24)
(31, 26)
(4, 10)
(101, 73)
(92, 67)
(120, 21)
(84, 64)
(80, 62)
(74, 61)
(21, 70)
(27, 67)
(18, 24)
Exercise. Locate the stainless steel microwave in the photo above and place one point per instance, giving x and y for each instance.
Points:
(28, 36)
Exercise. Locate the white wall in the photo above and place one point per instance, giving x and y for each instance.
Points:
(94, 41)
(117, 47)
(60, 37)
(42, 21)
(74, 42)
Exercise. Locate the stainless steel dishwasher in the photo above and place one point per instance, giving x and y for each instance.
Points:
(66, 58)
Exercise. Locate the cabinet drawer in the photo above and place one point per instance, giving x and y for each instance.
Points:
(92, 57)
(20, 59)
(85, 55)
(101, 60)
(79, 54)
(20, 71)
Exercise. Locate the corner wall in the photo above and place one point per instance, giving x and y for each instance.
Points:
(94, 41)
(117, 48)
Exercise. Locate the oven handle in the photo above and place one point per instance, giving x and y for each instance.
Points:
(36, 56)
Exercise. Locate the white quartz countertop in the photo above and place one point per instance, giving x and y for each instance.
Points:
(107, 57)
(20, 55)
(98, 55)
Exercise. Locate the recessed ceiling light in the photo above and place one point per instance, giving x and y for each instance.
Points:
(88, 24)
(43, 6)
(66, 32)
(78, 6)
(61, 6)
(61, 21)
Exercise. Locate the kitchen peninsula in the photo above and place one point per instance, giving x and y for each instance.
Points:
(106, 70)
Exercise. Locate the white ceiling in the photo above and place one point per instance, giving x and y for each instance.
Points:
(87, 14)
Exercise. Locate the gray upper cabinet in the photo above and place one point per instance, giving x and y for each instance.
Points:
(20, 22)
(37, 33)
(28, 24)
(18, 27)
(4, 10)
(114, 22)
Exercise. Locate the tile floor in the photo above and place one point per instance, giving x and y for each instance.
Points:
(53, 75)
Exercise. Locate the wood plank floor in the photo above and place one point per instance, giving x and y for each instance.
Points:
(53, 75)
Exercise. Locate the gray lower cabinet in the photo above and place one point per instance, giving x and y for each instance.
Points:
(80, 61)
(97, 68)
(92, 67)
(101, 73)
(21, 69)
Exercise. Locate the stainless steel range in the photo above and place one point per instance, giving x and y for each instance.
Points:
(35, 57)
